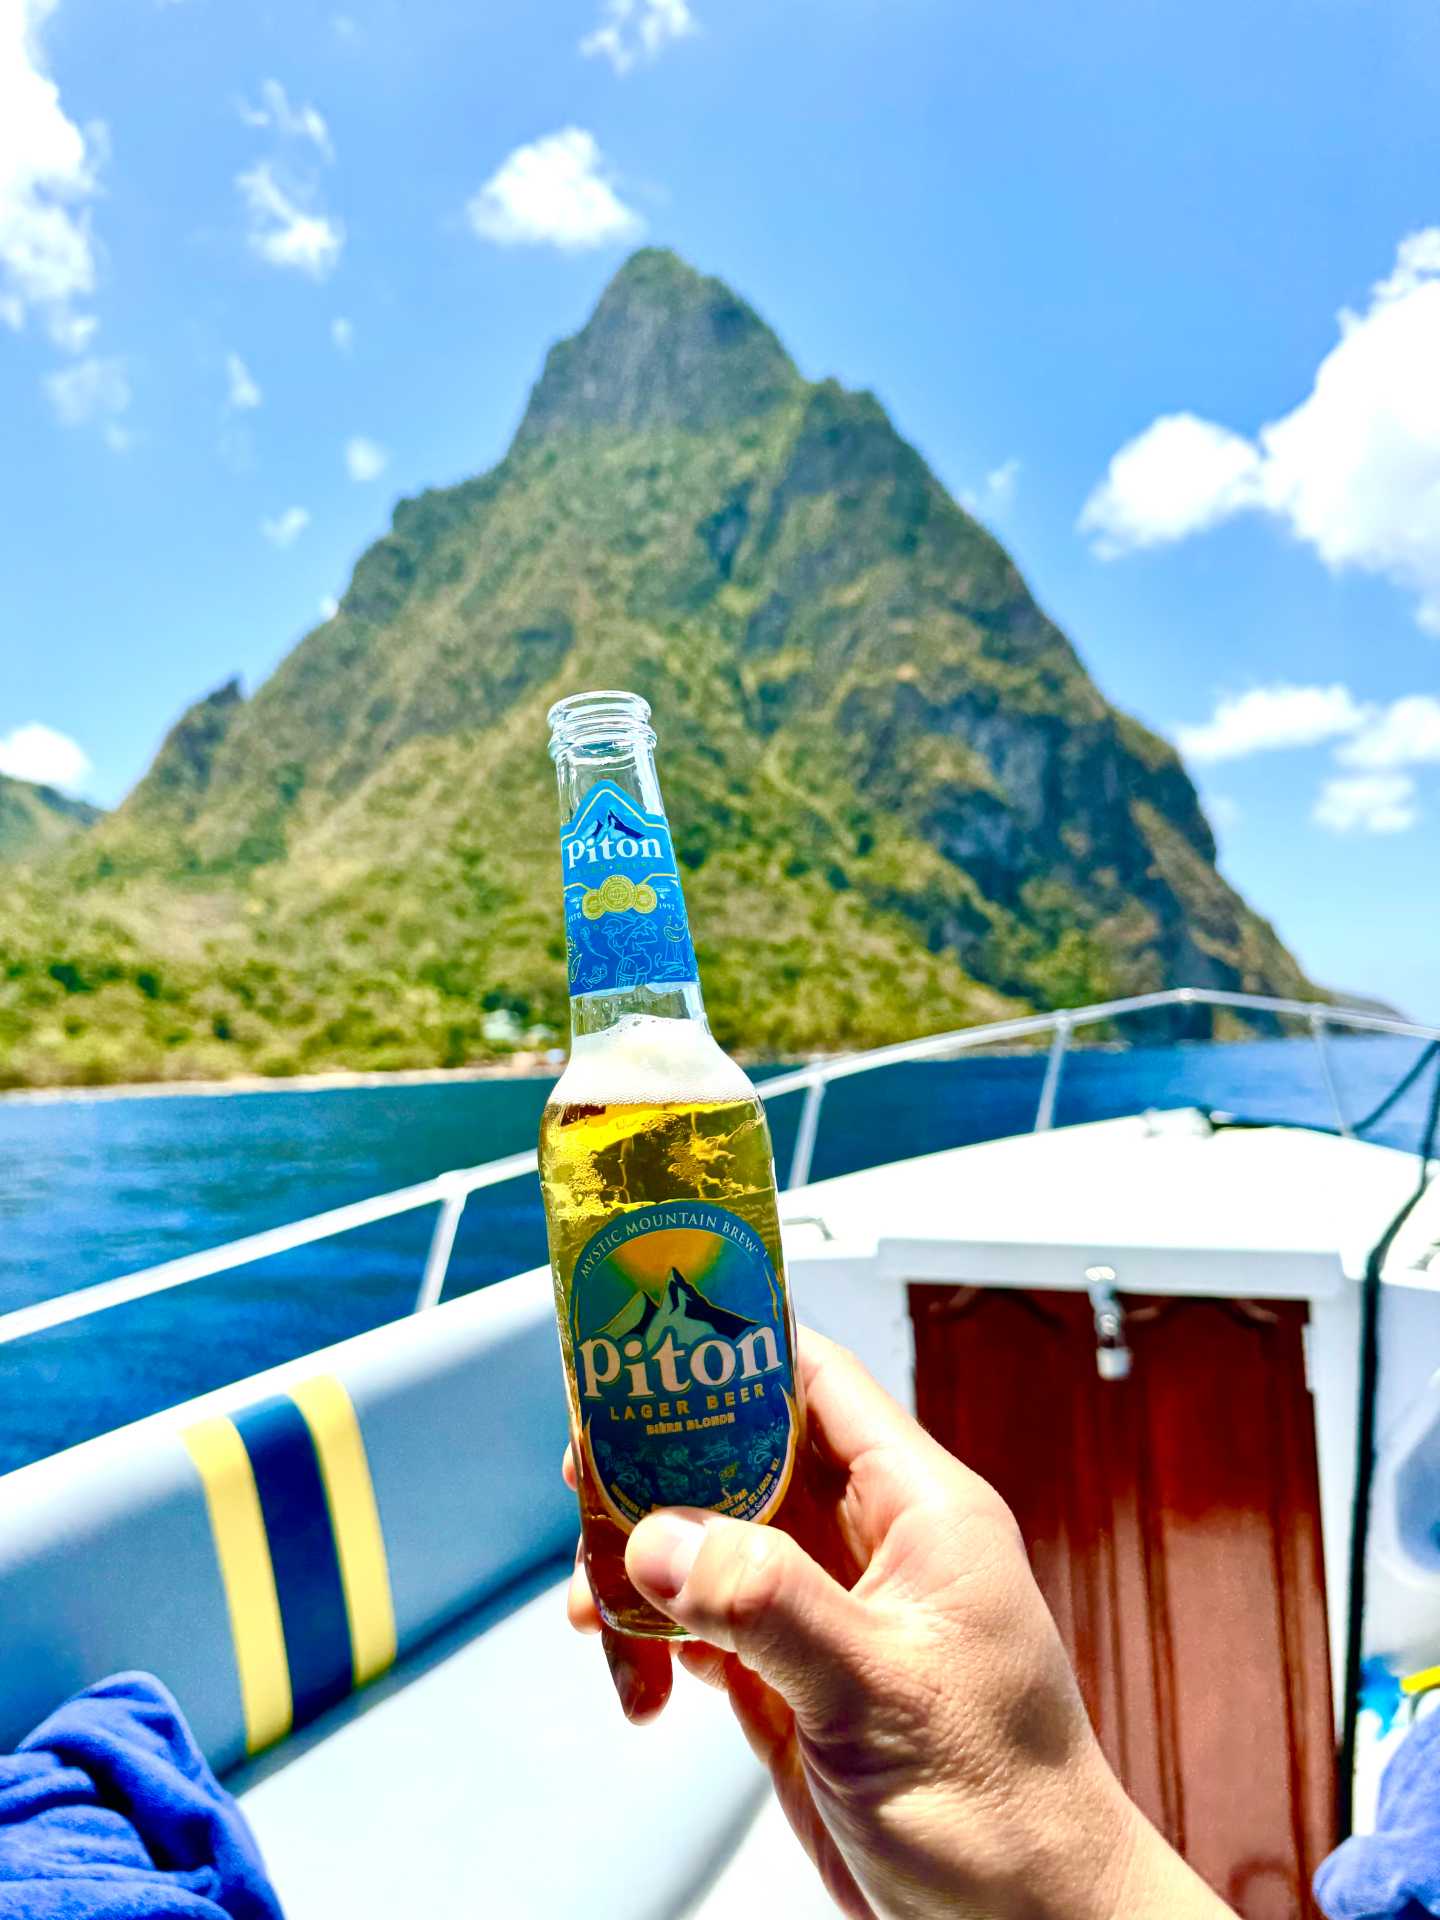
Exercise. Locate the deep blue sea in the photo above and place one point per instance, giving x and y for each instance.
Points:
(90, 1189)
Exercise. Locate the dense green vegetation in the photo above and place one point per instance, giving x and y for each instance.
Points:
(900, 801)
(35, 820)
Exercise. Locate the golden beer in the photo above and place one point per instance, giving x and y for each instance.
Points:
(659, 1188)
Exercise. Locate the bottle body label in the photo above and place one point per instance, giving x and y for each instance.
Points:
(625, 923)
(683, 1371)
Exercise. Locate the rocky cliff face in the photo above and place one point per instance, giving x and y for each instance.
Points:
(900, 800)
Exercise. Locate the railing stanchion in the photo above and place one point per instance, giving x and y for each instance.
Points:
(1320, 1031)
(448, 1190)
(805, 1137)
(1050, 1087)
(442, 1242)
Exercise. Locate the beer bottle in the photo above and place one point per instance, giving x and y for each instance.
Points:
(659, 1186)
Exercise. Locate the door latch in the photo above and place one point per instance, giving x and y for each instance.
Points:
(1112, 1352)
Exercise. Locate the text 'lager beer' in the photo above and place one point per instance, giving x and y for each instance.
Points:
(659, 1186)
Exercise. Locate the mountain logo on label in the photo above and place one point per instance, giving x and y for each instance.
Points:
(614, 823)
(682, 1310)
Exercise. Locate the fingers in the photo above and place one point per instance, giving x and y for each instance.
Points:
(704, 1662)
(851, 1413)
(567, 1470)
(641, 1672)
(882, 1460)
(640, 1669)
(755, 1592)
(580, 1604)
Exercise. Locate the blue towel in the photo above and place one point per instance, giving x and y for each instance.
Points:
(108, 1811)
(1393, 1873)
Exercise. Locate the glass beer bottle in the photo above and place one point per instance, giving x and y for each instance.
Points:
(659, 1187)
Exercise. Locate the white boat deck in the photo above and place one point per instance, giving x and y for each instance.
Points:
(469, 1753)
(497, 1774)
(496, 1760)
(1171, 1204)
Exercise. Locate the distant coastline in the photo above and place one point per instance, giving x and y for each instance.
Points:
(524, 1066)
(521, 1066)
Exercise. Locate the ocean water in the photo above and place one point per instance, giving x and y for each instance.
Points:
(90, 1189)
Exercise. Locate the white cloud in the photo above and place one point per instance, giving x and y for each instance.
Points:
(1404, 734)
(342, 333)
(92, 392)
(282, 230)
(71, 332)
(1179, 476)
(1265, 718)
(1353, 470)
(286, 528)
(291, 122)
(47, 173)
(1367, 803)
(634, 30)
(329, 606)
(242, 392)
(555, 192)
(364, 460)
(37, 752)
(995, 492)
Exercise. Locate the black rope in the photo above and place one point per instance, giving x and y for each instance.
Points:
(1365, 1458)
(1223, 1122)
(1398, 1091)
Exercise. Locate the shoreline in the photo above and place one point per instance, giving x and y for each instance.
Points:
(525, 1067)
(522, 1066)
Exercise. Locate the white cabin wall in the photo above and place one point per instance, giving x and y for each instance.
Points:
(1409, 1354)
(844, 1297)
(1402, 1613)
(1402, 1617)
(1332, 1346)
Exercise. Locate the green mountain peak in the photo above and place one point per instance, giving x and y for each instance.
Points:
(179, 776)
(899, 800)
(665, 346)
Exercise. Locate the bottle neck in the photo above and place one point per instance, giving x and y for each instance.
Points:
(628, 938)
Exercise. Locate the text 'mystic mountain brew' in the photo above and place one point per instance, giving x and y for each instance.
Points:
(659, 1186)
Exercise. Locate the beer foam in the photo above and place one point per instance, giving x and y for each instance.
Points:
(645, 1059)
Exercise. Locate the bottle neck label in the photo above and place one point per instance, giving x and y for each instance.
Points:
(625, 923)
(683, 1369)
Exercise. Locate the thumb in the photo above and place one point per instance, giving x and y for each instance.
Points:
(754, 1592)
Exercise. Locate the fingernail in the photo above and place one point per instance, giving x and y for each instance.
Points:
(662, 1552)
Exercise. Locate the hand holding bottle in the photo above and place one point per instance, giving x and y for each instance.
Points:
(921, 1724)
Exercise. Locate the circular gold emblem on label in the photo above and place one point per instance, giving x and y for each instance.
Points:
(617, 893)
(645, 900)
(592, 906)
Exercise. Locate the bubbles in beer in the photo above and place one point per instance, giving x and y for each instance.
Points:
(649, 1110)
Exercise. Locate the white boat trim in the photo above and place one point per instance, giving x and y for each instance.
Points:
(450, 1191)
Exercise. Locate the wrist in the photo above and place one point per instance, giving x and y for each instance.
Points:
(1156, 1884)
(1103, 1860)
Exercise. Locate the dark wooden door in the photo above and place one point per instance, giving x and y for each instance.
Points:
(1173, 1524)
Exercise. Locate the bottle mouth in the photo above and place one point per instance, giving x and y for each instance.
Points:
(593, 722)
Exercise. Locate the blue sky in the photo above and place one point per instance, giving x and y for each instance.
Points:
(1155, 287)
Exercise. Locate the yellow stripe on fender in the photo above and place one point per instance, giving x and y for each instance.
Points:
(238, 1529)
(354, 1521)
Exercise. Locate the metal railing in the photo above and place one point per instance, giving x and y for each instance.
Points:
(450, 1191)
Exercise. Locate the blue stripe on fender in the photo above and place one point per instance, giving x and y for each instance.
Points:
(302, 1550)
